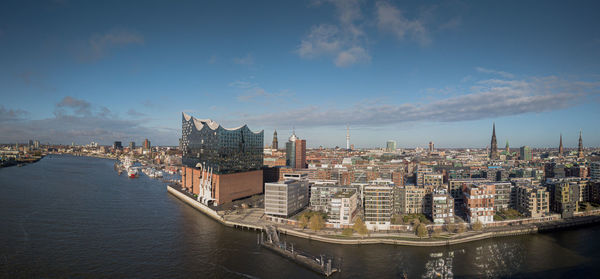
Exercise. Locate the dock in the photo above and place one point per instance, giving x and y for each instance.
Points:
(322, 264)
(267, 238)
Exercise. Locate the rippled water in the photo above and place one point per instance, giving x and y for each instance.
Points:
(75, 217)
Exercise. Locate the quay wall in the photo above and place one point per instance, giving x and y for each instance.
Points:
(532, 229)
(207, 210)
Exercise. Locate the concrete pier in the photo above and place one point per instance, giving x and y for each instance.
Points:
(210, 212)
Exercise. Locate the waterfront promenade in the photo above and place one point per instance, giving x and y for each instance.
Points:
(253, 218)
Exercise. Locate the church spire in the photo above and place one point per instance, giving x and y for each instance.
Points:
(580, 149)
(494, 144)
(275, 142)
(560, 147)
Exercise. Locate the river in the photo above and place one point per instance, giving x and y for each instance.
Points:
(68, 216)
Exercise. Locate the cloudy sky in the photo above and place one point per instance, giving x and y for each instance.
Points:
(410, 71)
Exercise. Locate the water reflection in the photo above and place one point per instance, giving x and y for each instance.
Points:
(439, 265)
(92, 223)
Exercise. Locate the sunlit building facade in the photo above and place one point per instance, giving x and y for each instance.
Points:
(220, 164)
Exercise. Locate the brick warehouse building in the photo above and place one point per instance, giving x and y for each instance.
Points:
(220, 164)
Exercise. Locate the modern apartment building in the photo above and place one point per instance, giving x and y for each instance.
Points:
(455, 187)
(409, 199)
(502, 196)
(532, 201)
(284, 198)
(343, 207)
(595, 170)
(479, 202)
(378, 206)
(420, 174)
(433, 179)
(564, 196)
(442, 207)
(321, 195)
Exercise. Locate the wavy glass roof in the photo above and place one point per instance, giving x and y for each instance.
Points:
(201, 123)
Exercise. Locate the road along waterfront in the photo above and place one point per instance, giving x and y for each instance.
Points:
(67, 216)
(259, 223)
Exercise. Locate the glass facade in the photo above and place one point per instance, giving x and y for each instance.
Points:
(224, 150)
(290, 154)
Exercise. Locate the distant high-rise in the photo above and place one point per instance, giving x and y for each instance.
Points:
(507, 148)
(117, 145)
(295, 152)
(347, 137)
(494, 144)
(580, 149)
(146, 144)
(560, 147)
(275, 143)
(132, 145)
(525, 153)
(431, 146)
(390, 146)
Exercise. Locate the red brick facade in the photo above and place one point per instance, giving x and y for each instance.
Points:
(226, 187)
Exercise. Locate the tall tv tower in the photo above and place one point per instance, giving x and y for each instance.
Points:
(347, 137)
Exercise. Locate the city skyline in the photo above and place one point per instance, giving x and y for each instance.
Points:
(412, 73)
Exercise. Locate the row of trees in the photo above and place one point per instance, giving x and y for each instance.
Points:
(421, 229)
(312, 219)
(316, 222)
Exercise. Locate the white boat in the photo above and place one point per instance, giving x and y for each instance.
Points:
(131, 172)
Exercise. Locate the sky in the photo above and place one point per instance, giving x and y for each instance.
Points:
(409, 71)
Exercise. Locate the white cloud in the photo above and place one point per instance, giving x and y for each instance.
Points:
(247, 60)
(75, 120)
(252, 92)
(78, 106)
(322, 39)
(242, 84)
(98, 45)
(453, 23)
(494, 98)
(391, 19)
(258, 94)
(352, 56)
(11, 114)
(344, 41)
(131, 112)
(494, 72)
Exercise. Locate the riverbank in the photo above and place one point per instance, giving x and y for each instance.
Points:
(394, 239)
(20, 162)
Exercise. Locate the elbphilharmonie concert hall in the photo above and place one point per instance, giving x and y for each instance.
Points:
(222, 164)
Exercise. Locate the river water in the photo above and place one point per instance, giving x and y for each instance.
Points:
(76, 217)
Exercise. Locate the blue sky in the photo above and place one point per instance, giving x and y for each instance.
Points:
(411, 71)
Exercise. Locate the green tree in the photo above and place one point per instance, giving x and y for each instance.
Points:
(421, 230)
(450, 228)
(436, 231)
(460, 228)
(347, 232)
(316, 222)
(477, 226)
(303, 222)
(416, 222)
(360, 227)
